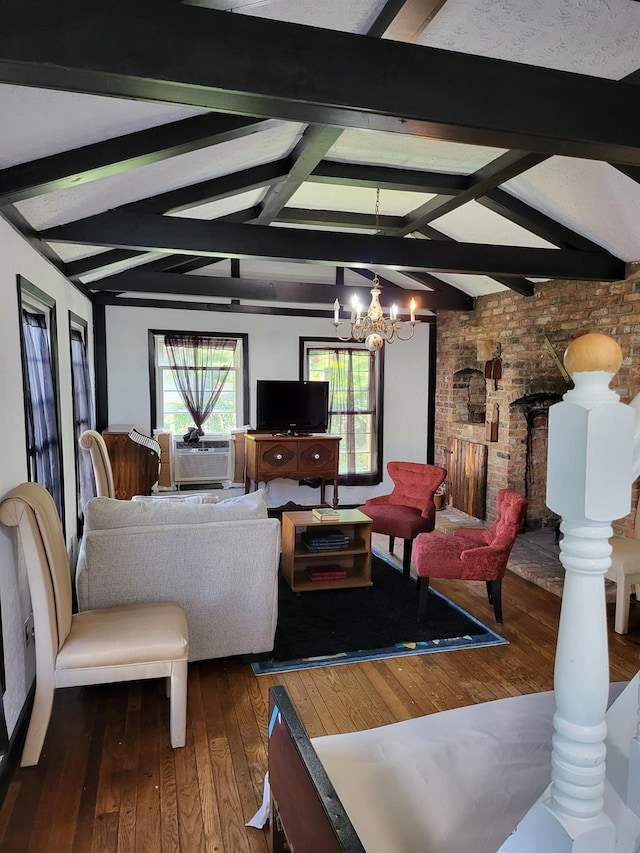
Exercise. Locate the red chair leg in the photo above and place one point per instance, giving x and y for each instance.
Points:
(424, 596)
(406, 556)
(494, 594)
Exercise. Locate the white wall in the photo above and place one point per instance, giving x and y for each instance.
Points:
(273, 354)
(17, 257)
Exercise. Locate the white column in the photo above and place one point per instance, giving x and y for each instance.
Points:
(588, 484)
(633, 778)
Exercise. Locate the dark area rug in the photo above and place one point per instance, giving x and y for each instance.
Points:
(330, 627)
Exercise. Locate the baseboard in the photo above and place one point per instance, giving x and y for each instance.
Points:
(11, 760)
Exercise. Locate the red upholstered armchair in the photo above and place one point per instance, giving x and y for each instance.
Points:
(470, 553)
(409, 509)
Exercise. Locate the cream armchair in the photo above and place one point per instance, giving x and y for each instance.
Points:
(123, 643)
(93, 442)
(625, 573)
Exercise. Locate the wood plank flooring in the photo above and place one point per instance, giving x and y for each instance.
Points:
(109, 781)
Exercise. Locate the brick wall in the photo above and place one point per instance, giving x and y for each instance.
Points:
(560, 310)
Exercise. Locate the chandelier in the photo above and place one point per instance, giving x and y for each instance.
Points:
(373, 327)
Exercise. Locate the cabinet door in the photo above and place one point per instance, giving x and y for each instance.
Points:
(277, 457)
(134, 467)
(468, 477)
(318, 459)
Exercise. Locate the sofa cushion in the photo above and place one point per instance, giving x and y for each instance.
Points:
(108, 513)
(200, 498)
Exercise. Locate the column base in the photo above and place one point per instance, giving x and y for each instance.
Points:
(633, 779)
(567, 835)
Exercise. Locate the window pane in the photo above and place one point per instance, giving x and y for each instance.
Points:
(212, 364)
(42, 420)
(352, 409)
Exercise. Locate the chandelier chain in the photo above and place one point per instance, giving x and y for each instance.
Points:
(373, 328)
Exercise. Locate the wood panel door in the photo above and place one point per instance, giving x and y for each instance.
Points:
(468, 477)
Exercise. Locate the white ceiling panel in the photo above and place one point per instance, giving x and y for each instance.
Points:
(39, 122)
(473, 285)
(473, 223)
(410, 152)
(312, 196)
(355, 16)
(594, 199)
(73, 251)
(224, 206)
(596, 37)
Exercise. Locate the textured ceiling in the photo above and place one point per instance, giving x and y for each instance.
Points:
(556, 202)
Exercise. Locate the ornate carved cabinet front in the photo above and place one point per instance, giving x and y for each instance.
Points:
(269, 457)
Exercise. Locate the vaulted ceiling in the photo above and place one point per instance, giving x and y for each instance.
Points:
(219, 150)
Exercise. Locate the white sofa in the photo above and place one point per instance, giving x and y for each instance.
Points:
(218, 560)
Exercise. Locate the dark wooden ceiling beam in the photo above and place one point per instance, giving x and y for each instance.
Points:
(516, 211)
(370, 275)
(318, 141)
(315, 143)
(519, 284)
(338, 219)
(121, 154)
(171, 53)
(205, 192)
(117, 260)
(449, 296)
(140, 281)
(502, 169)
(632, 172)
(195, 237)
(386, 177)
(13, 215)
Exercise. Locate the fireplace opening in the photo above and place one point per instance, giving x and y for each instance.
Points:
(469, 396)
(532, 468)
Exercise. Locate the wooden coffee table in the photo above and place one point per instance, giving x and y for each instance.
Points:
(298, 561)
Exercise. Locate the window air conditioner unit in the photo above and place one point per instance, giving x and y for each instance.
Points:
(209, 460)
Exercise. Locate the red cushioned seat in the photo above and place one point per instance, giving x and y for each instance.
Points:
(470, 554)
(409, 510)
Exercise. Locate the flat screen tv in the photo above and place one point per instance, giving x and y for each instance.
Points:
(292, 408)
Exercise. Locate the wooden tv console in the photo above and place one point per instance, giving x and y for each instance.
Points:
(294, 457)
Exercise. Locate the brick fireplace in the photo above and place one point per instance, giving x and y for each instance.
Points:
(531, 380)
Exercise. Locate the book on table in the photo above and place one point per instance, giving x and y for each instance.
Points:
(325, 513)
(327, 573)
(328, 540)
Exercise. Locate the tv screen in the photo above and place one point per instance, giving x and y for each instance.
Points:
(292, 407)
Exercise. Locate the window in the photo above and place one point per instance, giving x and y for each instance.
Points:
(82, 408)
(37, 321)
(200, 380)
(355, 404)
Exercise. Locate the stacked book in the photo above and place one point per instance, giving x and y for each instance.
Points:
(327, 540)
(327, 573)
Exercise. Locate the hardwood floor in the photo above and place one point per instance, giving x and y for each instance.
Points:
(109, 781)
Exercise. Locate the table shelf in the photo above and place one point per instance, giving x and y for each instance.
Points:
(297, 559)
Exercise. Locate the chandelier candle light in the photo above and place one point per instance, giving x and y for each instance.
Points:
(374, 328)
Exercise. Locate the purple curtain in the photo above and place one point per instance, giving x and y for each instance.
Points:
(42, 421)
(81, 386)
(199, 372)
